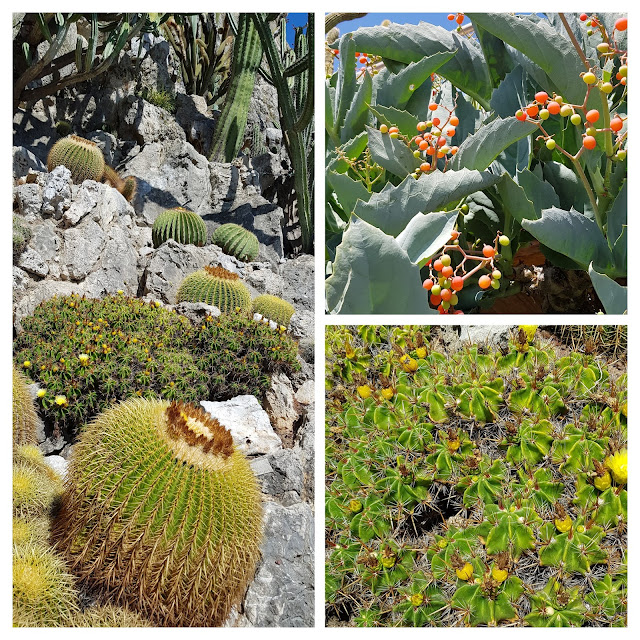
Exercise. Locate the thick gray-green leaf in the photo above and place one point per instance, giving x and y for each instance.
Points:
(391, 116)
(515, 201)
(567, 186)
(395, 91)
(393, 208)
(498, 60)
(540, 42)
(348, 191)
(481, 149)
(373, 274)
(467, 70)
(617, 216)
(358, 114)
(329, 108)
(541, 193)
(573, 235)
(612, 295)
(511, 95)
(391, 153)
(425, 234)
(346, 85)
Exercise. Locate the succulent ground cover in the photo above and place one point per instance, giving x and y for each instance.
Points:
(473, 487)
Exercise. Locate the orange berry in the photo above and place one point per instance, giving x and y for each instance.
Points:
(384, 128)
(488, 251)
(336, 52)
(616, 124)
(457, 283)
(484, 282)
(521, 115)
(446, 294)
(425, 166)
(437, 265)
(593, 115)
(441, 153)
(363, 60)
(423, 145)
(421, 126)
(430, 151)
(583, 16)
(541, 97)
(427, 284)
(447, 272)
(433, 107)
(553, 108)
(455, 235)
(460, 18)
(418, 139)
(436, 121)
(435, 300)
(451, 17)
(451, 131)
(442, 141)
(454, 121)
(532, 110)
(357, 54)
(621, 24)
(454, 150)
(589, 142)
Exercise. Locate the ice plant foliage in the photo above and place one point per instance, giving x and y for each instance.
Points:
(475, 487)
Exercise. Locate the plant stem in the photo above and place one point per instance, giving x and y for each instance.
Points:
(592, 198)
(574, 40)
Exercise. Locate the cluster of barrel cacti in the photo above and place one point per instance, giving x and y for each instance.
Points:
(477, 487)
(87, 354)
(159, 521)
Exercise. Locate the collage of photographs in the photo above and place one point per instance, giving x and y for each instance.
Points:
(179, 306)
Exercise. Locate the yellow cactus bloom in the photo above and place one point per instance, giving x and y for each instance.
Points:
(416, 599)
(499, 575)
(350, 352)
(409, 364)
(387, 393)
(26, 364)
(563, 525)
(388, 561)
(602, 483)
(41, 393)
(364, 391)
(466, 572)
(453, 445)
(617, 464)
(421, 352)
(355, 506)
(529, 331)
(84, 358)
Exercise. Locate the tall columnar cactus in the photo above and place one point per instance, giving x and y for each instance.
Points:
(162, 513)
(44, 594)
(25, 418)
(82, 157)
(182, 225)
(247, 55)
(237, 241)
(274, 308)
(215, 286)
(126, 186)
(296, 113)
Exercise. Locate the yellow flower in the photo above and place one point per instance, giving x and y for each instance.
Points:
(26, 364)
(409, 365)
(61, 401)
(499, 575)
(529, 331)
(41, 393)
(364, 391)
(617, 464)
(387, 393)
(120, 292)
(466, 572)
(84, 358)
(421, 352)
(602, 482)
(416, 599)
(388, 561)
(355, 506)
(563, 525)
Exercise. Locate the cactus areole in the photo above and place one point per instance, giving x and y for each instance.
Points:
(162, 514)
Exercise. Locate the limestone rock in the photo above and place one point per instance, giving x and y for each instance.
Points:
(280, 405)
(56, 192)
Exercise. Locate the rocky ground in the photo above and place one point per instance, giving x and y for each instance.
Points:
(88, 239)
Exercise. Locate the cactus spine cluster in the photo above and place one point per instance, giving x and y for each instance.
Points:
(182, 225)
(274, 308)
(236, 241)
(162, 513)
(215, 286)
(82, 157)
(36, 486)
(126, 186)
(25, 418)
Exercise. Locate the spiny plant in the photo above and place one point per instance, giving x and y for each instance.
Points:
(473, 487)
(237, 241)
(82, 157)
(126, 186)
(32, 530)
(21, 235)
(162, 514)
(215, 286)
(106, 615)
(87, 354)
(44, 594)
(181, 225)
(36, 486)
(274, 308)
(25, 418)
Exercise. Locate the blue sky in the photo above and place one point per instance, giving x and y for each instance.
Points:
(373, 19)
(294, 20)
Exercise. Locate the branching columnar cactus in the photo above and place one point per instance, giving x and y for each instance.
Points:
(82, 157)
(181, 225)
(236, 241)
(471, 488)
(25, 418)
(274, 308)
(44, 593)
(215, 286)
(162, 513)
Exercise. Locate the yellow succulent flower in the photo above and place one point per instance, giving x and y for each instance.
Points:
(41, 393)
(387, 393)
(466, 572)
(499, 575)
(602, 483)
(26, 364)
(388, 561)
(563, 525)
(617, 464)
(416, 599)
(421, 352)
(409, 364)
(61, 401)
(364, 391)
(529, 331)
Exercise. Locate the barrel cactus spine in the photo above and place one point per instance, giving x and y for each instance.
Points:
(82, 157)
(237, 241)
(181, 225)
(186, 537)
(215, 286)
(36, 486)
(25, 418)
(274, 308)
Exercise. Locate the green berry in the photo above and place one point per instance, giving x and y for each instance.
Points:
(606, 87)
(551, 144)
(445, 259)
(621, 155)
(576, 119)
(544, 114)
(589, 77)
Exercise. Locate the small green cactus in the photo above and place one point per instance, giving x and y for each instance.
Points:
(44, 594)
(162, 513)
(236, 241)
(215, 286)
(181, 225)
(25, 418)
(82, 157)
(274, 308)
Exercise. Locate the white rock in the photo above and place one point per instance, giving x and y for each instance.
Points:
(58, 464)
(248, 423)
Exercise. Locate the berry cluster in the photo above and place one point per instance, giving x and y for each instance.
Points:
(447, 281)
(432, 142)
(458, 17)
